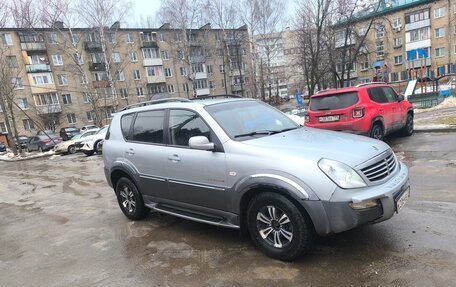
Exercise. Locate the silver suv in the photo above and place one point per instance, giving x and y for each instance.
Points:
(240, 163)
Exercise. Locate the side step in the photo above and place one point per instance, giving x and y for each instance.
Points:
(192, 215)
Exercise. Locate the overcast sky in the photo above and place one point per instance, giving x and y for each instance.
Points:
(143, 8)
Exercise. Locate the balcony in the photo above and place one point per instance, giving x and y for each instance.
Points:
(202, 92)
(48, 109)
(33, 46)
(197, 59)
(200, 75)
(236, 88)
(108, 101)
(418, 63)
(418, 25)
(93, 46)
(100, 84)
(97, 67)
(37, 68)
(153, 62)
(148, 43)
(156, 79)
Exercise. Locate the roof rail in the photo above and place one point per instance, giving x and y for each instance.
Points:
(154, 102)
(369, 83)
(215, 97)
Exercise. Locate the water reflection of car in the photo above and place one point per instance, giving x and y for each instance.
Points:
(72, 145)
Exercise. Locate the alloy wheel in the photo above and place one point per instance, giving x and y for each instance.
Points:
(274, 226)
(128, 199)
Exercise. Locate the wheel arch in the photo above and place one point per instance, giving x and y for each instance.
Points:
(119, 172)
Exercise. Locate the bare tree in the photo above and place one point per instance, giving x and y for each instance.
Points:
(25, 13)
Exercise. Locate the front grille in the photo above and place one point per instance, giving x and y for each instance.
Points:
(380, 169)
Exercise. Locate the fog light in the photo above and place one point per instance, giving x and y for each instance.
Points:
(364, 204)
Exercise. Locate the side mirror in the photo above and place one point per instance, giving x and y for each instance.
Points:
(201, 143)
(400, 98)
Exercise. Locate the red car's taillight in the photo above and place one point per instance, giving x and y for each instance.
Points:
(46, 141)
(307, 119)
(358, 113)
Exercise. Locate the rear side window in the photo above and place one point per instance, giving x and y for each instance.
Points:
(186, 124)
(148, 127)
(377, 95)
(390, 94)
(125, 124)
(333, 102)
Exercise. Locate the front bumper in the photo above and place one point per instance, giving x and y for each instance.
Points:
(336, 215)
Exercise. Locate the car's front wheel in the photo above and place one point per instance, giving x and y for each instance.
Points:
(278, 227)
(130, 200)
(407, 130)
(71, 149)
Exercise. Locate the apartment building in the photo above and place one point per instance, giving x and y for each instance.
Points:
(276, 58)
(74, 77)
(407, 39)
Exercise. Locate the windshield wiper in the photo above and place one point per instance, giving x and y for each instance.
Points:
(284, 130)
(264, 132)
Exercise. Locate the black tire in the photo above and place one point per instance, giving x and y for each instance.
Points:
(98, 146)
(376, 131)
(88, 153)
(130, 200)
(272, 237)
(408, 128)
(71, 149)
(40, 149)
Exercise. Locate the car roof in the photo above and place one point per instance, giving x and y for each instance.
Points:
(347, 89)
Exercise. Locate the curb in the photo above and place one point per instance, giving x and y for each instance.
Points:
(435, 130)
(26, 158)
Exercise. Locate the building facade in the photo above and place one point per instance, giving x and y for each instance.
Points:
(407, 39)
(74, 77)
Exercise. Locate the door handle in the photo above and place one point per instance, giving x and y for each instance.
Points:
(174, 158)
(130, 151)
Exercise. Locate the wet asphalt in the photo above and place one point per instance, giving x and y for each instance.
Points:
(60, 226)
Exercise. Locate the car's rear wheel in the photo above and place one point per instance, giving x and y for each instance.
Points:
(71, 149)
(99, 146)
(130, 200)
(408, 128)
(376, 131)
(278, 228)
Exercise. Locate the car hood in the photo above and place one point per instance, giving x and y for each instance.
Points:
(317, 143)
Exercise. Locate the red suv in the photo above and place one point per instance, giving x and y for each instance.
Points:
(372, 109)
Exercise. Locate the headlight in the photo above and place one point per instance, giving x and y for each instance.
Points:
(342, 175)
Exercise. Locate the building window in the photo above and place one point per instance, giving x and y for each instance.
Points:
(223, 83)
(136, 75)
(116, 57)
(100, 76)
(119, 76)
(398, 60)
(57, 60)
(164, 55)
(46, 99)
(180, 54)
(90, 116)
(364, 66)
(171, 89)
(379, 31)
(42, 79)
(77, 58)
(82, 79)
(129, 37)
(211, 84)
(108, 113)
(397, 23)
(198, 68)
(222, 69)
(154, 71)
(17, 83)
(23, 104)
(183, 71)
(419, 34)
(74, 38)
(62, 80)
(150, 53)
(185, 87)
(28, 124)
(66, 99)
(7, 39)
(200, 84)
(140, 92)
(440, 52)
(397, 42)
(133, 57)
(86, 98)
(52, 38)
(71, 118)
(439, 32)
(123, 93)
(439, 12)
(417, 16)
(12, 61)
(209, 69)
(161, 37)
(380, 48)
(168, 72)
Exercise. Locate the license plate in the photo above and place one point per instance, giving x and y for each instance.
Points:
(328, 119)
(400, 202)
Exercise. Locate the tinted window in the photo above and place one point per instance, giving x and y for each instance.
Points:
(148, 127)
(377, 95)
(333, 102)
(186, 124)
(390, 94)
(125, 124)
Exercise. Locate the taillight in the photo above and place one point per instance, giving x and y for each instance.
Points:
(307, 119)
(46, 141)
(358, 113)
(60, 138)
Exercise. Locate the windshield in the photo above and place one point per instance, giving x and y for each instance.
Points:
(72, 130)
(242, 120)
(102, 130)
(333, 102)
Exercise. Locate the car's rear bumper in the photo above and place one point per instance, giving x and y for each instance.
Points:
(357, 126)
(337, 215)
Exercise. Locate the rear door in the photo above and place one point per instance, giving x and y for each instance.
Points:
(196, 177)
(144, 150)
(399, 115)
(383, 105)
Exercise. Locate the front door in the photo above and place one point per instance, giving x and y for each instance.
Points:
(196, 177)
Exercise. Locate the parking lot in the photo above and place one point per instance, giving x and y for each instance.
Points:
(60, 225)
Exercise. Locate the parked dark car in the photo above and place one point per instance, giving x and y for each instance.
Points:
(69, 132)
(23, 140)
(43, 143)
(2, 147)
